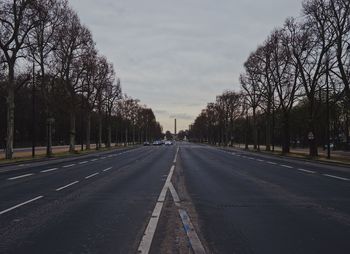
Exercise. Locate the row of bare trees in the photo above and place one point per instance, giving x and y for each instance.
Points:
(305, 63)
(44, 48)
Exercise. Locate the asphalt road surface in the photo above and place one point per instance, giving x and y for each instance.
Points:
(178, 199)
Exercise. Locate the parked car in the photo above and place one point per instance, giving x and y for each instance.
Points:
(146, 143)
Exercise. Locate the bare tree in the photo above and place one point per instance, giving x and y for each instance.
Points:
(74, 42)
(41, 44)
(113, 94)
(17, 19)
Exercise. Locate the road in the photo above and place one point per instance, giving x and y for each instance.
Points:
(142, 199)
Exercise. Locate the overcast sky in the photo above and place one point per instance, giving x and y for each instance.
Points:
(177, 55)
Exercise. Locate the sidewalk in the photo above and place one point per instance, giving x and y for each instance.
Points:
(339, 156)
(40, 151)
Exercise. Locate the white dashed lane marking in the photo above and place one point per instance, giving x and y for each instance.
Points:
(49, 170)
(66, 186)
(90, 176)
(306, 171)
(68, 166)
(19, 177)
(337, 177)
(19, 205)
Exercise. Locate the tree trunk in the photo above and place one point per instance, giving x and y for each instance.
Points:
(109, 134)
(99, 141)
(49, 123)
(312, 143)
(72, 132)
(10, 102)
(88, 130)
(255, 130)
(126, 137)
(286, 135)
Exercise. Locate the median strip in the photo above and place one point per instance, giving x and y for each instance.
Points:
(19, 205)
(19, 177)
(66, 186)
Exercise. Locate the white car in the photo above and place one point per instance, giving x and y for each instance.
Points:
(168, 143)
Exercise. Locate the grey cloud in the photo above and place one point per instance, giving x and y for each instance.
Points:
(175, 56)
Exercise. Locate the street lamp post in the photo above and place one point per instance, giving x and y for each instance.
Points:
(327, 105)
(33, 111)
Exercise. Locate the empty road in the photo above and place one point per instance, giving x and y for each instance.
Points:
(186, 198)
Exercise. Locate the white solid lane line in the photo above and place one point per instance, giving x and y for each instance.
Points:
(89, 176)
(66, 186)
(68, 166)
(83, 162)
(49, 170)
(19, 205)
(107, 169)
(19, 177)
(286, 166)
(337, 177)
(191, 233)
(146, 241)
(306, 171)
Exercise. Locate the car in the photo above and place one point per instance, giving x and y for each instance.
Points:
(168, 143)
(157, 143)
(146, 143)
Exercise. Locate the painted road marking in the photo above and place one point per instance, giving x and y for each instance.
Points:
(49, 170)
(68, 166)
(146, 241)
(174, 194)
(19, 205)
(260, 160)
(177, 152)
(272, 163)
(306, 171)
(19, 177)
(337, 177)
(107, 169)
(103, 158)
(83, 162)
(94, 160)
(91, 175)
(66, 186)
(286, 166)
(191, 233)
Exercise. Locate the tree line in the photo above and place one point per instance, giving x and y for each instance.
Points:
(295, 88)
(56, 88)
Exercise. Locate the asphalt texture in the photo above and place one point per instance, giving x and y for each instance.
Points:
(242, 203)
(247, 203)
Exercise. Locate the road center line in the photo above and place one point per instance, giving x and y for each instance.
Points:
(107, 169)
(94, 160)
(19, 177)
(68, 166)
(19, 205)
(306, 171)
(49, 170)
(66, 186)
(337, 177)
(83, 162)
(91, 175)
